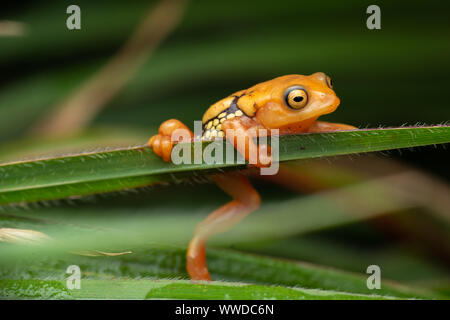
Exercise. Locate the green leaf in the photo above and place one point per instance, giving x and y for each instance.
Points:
(37, 289)
(168, 262)
(239, 291)
(166, 289)
(84, 174)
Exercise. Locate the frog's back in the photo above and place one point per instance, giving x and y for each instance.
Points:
(244, 102)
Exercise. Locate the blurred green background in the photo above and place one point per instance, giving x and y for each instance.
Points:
(393, 76)
(390, 77)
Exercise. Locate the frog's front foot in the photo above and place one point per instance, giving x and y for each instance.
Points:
(163, 142)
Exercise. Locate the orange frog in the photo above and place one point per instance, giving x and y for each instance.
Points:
(290, 103)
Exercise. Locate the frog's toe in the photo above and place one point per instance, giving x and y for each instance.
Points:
(264, 156)
(169, 126)
(163, 142)
(166, 148)
(151, 140)
(155, 143)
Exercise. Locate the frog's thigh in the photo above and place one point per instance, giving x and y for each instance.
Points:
(245, 200)
(322, 126)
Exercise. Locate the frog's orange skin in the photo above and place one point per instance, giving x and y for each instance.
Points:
(289, 103)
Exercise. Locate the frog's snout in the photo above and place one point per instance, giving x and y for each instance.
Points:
(337, 101)
(333, 103)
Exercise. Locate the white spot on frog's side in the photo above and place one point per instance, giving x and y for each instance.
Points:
(213, 128)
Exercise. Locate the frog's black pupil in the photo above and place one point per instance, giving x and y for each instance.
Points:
(298, 98)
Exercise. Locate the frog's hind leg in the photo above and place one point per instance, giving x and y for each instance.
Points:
(245, 200)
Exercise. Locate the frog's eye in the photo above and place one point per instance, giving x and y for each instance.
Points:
(296, 97)
(329, 82)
